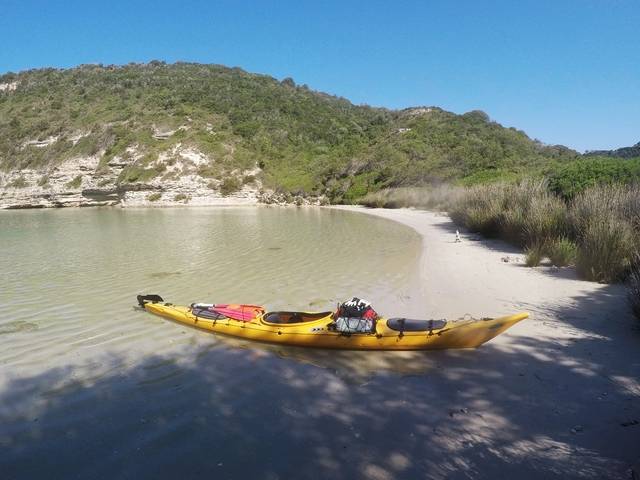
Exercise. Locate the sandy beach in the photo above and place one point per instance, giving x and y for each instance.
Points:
(558, 394)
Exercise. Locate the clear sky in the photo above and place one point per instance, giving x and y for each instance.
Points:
(564, 71)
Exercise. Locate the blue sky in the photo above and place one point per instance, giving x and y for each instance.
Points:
(564, 71)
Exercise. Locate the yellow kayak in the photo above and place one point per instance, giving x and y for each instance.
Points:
(317, 330)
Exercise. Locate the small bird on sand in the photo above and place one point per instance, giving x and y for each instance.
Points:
(458, 239)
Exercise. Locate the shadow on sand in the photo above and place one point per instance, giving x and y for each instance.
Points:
(527, 408)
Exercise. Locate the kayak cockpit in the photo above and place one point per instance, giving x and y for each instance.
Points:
(287, 318)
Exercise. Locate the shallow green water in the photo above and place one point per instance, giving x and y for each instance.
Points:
(68, 278)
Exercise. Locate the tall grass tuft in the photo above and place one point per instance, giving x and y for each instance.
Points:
(604, 221)
(596, 203)
(562, 252)
(606, 248)
(545, 218)
(480, 208)
(534, 255)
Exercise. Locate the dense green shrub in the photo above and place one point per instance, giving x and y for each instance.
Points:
(154, 197)
(136, 173)
(572, 178)
(181, 197)
(18, 182)
(230, 185)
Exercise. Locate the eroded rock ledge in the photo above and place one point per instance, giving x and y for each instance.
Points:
(84, 182)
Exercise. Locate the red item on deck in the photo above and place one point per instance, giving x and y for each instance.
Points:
(244, 313)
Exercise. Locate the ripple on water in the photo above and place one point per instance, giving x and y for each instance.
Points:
(17, 326)
(163, 274)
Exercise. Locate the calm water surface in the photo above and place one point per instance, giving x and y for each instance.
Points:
(92, 388)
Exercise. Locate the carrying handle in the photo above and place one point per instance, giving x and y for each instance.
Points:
(149, 298)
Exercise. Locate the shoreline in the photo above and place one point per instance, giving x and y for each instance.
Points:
(573, 363)
(222, 202)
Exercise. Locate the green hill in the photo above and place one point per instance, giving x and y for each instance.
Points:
(302, 141)
(624, 152)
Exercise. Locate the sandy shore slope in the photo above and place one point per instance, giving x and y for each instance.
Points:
(558, 394)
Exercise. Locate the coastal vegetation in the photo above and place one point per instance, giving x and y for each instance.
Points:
(230, 185)
(181, 197)
(597, 230)
(19, 182)
(563, 252)
(533, 255)
(75, 182)
(571, 178)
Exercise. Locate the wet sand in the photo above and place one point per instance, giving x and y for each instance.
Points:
(558, 394)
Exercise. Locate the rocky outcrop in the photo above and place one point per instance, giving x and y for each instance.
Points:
(89, 181)
(61, 186)
(269, 197)
(8, 86)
